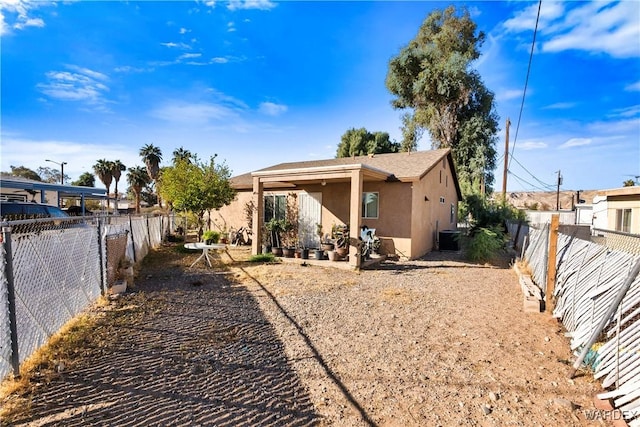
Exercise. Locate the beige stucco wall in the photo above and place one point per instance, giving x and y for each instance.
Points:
(623, 202)
(232, 216)
(431, 216)
(406, 223)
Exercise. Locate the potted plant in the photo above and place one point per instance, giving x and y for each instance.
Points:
(210, 237)
(275, 228)
(342, 240)
(266, 240)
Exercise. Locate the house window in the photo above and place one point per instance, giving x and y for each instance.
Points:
(442, 200)
(623, 220)
(370, 205)
(446, 181)
(440, 177)
(275, 206)
(453, 214)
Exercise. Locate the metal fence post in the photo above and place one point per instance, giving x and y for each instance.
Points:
(13, 327)
(102, 250)
(133, 240)
(148, 232)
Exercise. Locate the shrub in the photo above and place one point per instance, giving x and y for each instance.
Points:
(484, 244)
(268, 257)
(211, 236)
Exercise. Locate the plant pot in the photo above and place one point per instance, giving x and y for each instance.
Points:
(304, 253)
(288, 252)
(319, 254)
(119, 287)
(332, 255)
(276, 251)
(327, 246)
(342, 252)
(266, 249)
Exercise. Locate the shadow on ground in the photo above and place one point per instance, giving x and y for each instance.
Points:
(186, 348)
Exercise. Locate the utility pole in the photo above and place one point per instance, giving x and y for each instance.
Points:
(506, 162)
(558, 191)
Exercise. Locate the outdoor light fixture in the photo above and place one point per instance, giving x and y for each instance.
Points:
(61, 169)
(323, 183)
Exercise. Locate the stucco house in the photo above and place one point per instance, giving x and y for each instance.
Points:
(406, 197)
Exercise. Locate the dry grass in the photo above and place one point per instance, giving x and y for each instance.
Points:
(46, 364)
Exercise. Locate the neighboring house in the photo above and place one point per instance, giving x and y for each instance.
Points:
(27, 190)
(622, 207)
(406, 197)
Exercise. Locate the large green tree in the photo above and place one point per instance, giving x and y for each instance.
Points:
(432, 77)
(24, 172)
(152, 156)
(85, 180)
(51, 175)
(361, 142)
(197, 187)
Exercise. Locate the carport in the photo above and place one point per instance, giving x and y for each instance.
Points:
(18, 188)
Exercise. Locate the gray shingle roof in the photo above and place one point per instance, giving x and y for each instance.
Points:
(403, 166)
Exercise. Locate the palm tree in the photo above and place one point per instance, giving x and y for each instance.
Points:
(104, 171)
(138, 179)
(181, 154)
(152, 156)
(118, 168)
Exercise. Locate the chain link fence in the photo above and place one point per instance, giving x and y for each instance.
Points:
(55, 268)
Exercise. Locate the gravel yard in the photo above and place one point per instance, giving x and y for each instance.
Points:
(430, 342)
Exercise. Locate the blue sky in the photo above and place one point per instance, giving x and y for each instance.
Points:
(260, 82)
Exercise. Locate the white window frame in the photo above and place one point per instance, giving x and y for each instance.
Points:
(363, 206)
(623, 220)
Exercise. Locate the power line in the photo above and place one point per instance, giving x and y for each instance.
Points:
(526, 82)
(549, 186)
(522, 180)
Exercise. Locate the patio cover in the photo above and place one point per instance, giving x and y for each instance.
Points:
(355, 173)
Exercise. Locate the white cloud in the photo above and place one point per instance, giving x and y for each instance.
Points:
(130, 69)
(189, 56)
(560, 106)
(576, 142)
(525, 20)
(17, 14)
(272, 109)
(250, 4)
(219, 60)
(231, 27)
(532, 145)
(508, 94)
(183, 46)
(79, 155)
(193, 113)
(596, 27)
(633, 87)
(184, 31)
(80, 84)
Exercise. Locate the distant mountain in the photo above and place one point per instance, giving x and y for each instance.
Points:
(546, 200)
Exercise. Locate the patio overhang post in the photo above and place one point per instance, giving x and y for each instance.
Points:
(258, 218)
(354, 216)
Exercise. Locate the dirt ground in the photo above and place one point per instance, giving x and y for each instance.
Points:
(419, 343)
